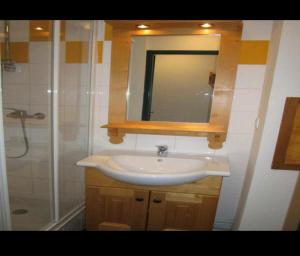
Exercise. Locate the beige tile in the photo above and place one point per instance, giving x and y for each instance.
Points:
(19, 51)
(76, 52)
(40, 35)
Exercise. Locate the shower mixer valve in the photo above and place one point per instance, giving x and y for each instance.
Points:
(19, 113)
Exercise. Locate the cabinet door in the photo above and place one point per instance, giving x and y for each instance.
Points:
(116, 209)
(179, 211)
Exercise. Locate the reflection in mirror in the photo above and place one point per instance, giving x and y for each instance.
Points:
(171, 78)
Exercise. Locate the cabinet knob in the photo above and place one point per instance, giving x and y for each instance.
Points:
(139, 199)
(157, 201)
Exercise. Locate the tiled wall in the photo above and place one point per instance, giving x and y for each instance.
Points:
(250, 77)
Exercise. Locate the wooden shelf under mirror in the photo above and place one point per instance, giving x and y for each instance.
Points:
(216, 134)
(223, 89)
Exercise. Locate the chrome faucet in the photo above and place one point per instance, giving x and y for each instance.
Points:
(162, 150)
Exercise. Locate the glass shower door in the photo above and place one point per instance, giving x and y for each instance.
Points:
(26, 50)
(74, 111)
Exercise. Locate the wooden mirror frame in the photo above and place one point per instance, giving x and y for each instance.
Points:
(216, 129)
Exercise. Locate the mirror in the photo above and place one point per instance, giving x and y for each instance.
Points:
(171, 78)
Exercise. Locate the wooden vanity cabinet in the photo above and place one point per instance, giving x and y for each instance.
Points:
(180, 211)
(114, 205)
(116, 208)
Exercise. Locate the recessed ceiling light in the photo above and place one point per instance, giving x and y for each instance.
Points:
(142, 26)
(206, 25)
(39, 28)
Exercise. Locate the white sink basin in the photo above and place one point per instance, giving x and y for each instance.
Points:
(148, 169)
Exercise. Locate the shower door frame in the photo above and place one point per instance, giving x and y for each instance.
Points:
(57, 221)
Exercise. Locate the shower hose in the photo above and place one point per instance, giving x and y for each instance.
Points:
(23, 120)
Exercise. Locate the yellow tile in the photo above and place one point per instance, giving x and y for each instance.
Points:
(100, 51)
(108, 32)
(254, 52)
(40, 35)
(76, 52)
(18, 51)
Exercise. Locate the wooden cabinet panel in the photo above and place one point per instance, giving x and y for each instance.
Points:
(287, 151)
(180, 211)
(114, 205)
(116, 208)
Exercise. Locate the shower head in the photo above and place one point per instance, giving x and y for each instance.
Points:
(9, 66)
(7, 63)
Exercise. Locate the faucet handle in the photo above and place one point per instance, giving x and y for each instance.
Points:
(162, 147)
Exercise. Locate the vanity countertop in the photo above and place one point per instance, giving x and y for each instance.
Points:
(146, 168)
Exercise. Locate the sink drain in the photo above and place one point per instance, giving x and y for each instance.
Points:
(20, 211)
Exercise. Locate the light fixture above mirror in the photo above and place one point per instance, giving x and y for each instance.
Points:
(206, 25)
(142, 26)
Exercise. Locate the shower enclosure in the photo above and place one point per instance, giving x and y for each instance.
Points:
(44, 120)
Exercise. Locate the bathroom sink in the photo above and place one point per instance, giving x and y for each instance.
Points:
(149, 169)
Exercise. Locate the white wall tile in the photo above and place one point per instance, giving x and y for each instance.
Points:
(18, 167)
(19, 30)
(100, 30)
(19, 77)
(39, 94)
(129, 143)
(103, 74)
(42, 187)
(250, 76)
(102, 118)
(238, 143)
(39, 135)
(40, 169)
(62, 52)
(16, 94)
(106, 52)
(75, 95)
(72, 74)
(194, 145)
(20, 185)
(257, 29)
(246, 100)
(40, 52)
(149, 142)
(40, 73)
(242, 122)
(101, 95)
(77, 30)
(40, 152)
